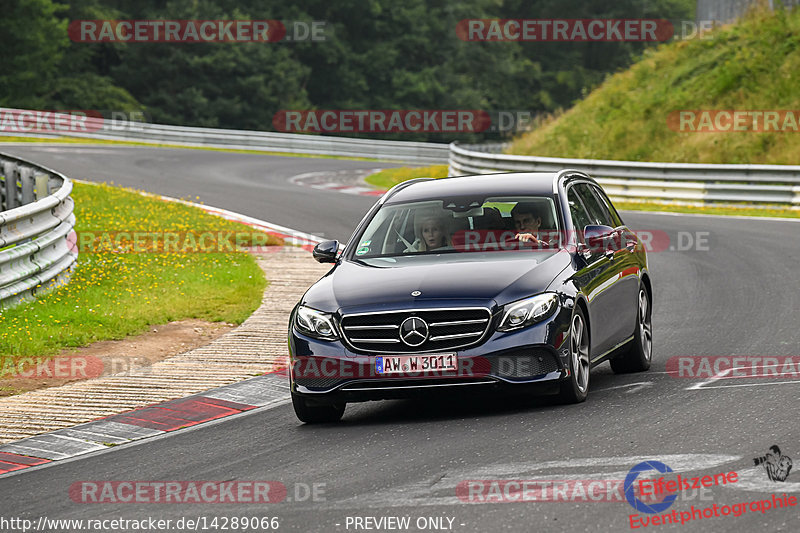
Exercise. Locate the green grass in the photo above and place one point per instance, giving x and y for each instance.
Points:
(753, 65)
(388, 178)
(113, 294)
(728, 210)
(81, 140)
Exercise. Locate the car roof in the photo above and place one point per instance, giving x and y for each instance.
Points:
(501, 184)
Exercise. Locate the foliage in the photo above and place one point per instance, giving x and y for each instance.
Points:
(750, 66)
(377, 54)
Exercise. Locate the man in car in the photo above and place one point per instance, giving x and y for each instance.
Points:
(527, 222)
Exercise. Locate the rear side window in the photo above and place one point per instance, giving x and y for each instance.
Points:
(601, 196)
(598, 212)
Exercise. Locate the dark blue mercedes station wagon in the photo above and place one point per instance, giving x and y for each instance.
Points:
(519, 281)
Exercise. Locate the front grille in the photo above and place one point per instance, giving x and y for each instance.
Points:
(524, 364)
(447, 329)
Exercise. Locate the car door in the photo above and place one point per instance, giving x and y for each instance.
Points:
(618, 296)
(629, 260)
(594, 276)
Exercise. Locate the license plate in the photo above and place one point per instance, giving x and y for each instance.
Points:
(405, 364)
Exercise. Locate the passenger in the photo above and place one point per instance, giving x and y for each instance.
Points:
(432, 232)
(527, 222)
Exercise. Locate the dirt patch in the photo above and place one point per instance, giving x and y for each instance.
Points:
(108, 357)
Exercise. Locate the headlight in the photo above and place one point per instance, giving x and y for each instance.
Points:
(528, 311)
(316, 324)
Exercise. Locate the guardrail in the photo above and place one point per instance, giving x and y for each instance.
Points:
(682, 183)
(294, 143)
(37, 241)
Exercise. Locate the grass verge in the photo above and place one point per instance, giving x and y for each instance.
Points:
(388, 178)
(752, 66)
(114, 293)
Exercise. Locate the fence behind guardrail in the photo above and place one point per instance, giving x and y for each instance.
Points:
(37, 241)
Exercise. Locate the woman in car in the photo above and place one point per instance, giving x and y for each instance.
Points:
(432, 232)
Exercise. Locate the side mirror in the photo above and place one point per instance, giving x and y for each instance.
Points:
(599, 239)
(326, 251)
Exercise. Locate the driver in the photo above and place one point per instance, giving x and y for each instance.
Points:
(527, 222)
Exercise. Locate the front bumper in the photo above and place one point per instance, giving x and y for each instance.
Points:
(533, 357)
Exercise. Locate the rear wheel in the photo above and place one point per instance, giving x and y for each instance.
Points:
(316, 413)
(576, 388)
(638, 356)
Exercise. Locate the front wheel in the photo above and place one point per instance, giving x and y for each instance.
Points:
(638, 356)
(576, 388)
(316, 414)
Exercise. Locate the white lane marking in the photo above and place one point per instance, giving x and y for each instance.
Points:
(636, 387)
(712, 379)
(755, 479)
(441, 489)
(707, 384)
(767, 384)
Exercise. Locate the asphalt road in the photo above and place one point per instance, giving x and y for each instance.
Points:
(733, 295)
(254, 184)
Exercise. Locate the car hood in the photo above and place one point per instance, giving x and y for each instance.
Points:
(355, 287)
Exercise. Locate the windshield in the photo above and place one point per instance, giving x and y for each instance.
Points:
(461, 226)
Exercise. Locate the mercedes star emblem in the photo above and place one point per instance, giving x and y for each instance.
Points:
(413, 331)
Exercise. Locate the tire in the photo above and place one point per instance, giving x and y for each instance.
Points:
(638, 356)
(316, 414)
(576, 388)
